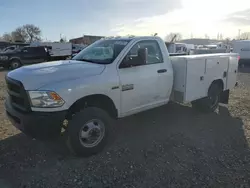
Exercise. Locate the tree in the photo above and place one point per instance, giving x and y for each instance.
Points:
(25, 33)
(33, 32)
(245, 36)
(7, 37)
(173, 37)
(19, 35)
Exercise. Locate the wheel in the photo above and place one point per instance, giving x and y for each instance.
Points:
(15, 64)
(88, 131)
(211, 102)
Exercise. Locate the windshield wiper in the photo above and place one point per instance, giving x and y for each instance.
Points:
(92, 61)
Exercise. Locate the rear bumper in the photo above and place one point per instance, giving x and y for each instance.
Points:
(41, 125)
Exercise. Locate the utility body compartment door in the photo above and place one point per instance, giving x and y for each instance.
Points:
(195, 79)
(216, 69)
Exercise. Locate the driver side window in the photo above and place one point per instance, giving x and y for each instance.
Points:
(154, 54)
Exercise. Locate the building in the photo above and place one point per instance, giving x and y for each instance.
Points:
(86, 39)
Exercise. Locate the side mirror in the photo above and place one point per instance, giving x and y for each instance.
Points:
(142, 55)
(135, 60)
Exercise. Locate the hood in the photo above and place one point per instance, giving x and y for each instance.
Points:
(38, 75)
(7, 53)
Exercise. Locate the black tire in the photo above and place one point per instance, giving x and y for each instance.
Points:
(210, 103)
(77, 123)
(14, 64)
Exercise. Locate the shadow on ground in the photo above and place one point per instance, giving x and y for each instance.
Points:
(169, 146)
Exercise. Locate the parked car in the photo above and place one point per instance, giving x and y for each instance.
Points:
(130, 75)
(23, 56)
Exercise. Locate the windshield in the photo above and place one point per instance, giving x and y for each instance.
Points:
(102, 51)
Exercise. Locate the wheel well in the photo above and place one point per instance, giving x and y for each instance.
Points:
(219, 82)
(98, 100)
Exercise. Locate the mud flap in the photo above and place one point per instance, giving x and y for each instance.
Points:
(224, 97)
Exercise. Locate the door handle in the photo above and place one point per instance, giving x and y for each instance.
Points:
(162, 70)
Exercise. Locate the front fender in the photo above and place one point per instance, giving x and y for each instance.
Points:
(73, 90)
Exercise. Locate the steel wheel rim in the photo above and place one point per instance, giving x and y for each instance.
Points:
(92, 133)
(15, 65)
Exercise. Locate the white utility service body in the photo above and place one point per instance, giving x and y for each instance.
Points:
(132, 75)
(193, 74)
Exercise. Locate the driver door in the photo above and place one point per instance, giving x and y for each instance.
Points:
(139, 83)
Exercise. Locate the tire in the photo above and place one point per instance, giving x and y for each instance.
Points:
(14, 64)
(211, 102)
(85, 124)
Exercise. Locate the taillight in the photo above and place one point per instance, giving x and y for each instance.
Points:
(238, 58)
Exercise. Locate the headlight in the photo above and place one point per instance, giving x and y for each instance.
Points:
(45, 99)
(4, 58)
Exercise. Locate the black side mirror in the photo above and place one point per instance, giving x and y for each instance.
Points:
(135, 60)
(142, 55)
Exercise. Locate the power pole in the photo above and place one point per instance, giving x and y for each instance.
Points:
(239, 34)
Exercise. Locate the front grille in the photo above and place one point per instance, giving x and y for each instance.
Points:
(18, 96)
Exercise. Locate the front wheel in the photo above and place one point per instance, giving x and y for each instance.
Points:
(88, 131)
(15, 64)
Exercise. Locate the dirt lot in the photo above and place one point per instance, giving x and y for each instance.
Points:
(171, 146)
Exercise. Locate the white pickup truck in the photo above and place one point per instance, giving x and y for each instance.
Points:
(135, 74)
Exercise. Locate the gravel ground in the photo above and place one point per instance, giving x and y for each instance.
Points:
(171, 146)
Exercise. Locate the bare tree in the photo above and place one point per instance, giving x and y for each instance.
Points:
(19, 35)
(7, 37)
(245, 36)
(173, 37)
(33, 32)
(25, 33)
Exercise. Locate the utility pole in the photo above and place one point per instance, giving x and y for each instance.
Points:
(239, 33)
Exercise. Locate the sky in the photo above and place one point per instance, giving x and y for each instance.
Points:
(76, 18)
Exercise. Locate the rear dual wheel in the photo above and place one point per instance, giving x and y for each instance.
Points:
(211, 102)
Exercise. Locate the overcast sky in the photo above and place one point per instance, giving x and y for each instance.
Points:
(121, 17)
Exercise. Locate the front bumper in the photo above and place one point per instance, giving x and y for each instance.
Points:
(40, 125)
